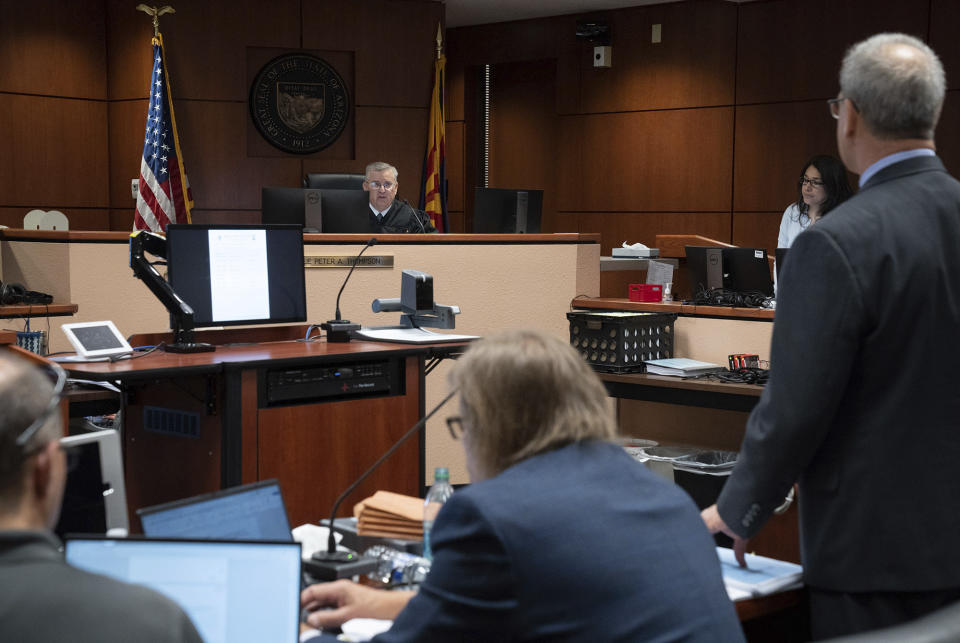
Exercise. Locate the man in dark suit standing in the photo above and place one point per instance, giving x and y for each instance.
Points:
(862, 406)
(387, 214)
(42, 598)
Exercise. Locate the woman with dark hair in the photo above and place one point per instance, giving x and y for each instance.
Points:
(821, 187)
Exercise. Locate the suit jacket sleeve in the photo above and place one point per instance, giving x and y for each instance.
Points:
(815, 342)
(469, 593)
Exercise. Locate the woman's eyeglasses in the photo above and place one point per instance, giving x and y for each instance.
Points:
(814, 183)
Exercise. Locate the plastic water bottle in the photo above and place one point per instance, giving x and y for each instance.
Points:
(439, 493)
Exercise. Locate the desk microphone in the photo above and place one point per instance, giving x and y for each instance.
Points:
(338, 330)
(416, 215)
(333, 564)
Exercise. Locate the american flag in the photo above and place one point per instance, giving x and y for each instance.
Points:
(164, 192)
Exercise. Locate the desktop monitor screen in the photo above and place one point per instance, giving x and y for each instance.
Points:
(747, 270)
(496, 210)
(345, 211)
(232, 275)
(291, 206)
(94, 498)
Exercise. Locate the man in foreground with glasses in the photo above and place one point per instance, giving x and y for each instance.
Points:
(387, 213)
(862, 405)
(42, 598)
(561, 535)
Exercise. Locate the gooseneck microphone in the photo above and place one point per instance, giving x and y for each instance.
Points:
(338, 330)
(333, 564)
(416, 215)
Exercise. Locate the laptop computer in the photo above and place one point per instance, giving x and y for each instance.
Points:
(94, 497)
(248, 512)
(233, 591)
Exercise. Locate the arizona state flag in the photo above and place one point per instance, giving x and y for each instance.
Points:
(433, 193)
(164, 192)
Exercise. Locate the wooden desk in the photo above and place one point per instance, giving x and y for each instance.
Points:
(199, 422)
(37, 310)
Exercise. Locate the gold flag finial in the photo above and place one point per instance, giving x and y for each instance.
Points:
(156, 12)
(439, 42)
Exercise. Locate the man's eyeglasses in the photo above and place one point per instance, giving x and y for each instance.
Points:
(386, 185)
(59, 378)
(814, 183)
(833, 104)
(455, 426)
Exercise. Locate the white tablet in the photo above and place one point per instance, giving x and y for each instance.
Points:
(96, 339)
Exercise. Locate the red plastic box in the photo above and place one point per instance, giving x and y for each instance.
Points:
(646, 292)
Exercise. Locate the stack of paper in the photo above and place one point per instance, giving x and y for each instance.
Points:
(390, 515)
(680, 366)
(761, 576)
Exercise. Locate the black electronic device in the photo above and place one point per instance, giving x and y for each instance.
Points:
(292, 206)
(233, 274)
(345, 211)
(338, 330)
(497, 210)
(349, 380)
(94, 496)
(13, 294)
(704, 267)
(747, 270)
(333, 564)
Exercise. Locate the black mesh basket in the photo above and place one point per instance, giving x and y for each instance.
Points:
(619, 342)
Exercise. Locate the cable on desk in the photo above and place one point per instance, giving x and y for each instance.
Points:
(757, 376)
(733, 298)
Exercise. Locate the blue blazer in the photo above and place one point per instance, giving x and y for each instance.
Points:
(578, 544)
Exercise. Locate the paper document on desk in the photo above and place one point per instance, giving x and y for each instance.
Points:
(761, 576)
(410, 336)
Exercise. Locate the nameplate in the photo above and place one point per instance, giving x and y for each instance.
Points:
(346, 261)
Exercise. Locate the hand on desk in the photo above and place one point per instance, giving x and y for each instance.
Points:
(348, 600)
(715, 523)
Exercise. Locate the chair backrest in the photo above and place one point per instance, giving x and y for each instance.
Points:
(40, 220)
(333, 181)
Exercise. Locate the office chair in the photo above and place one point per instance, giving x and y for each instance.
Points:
(333, 181)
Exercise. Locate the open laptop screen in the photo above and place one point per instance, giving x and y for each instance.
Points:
(233, 591)
(249, 512)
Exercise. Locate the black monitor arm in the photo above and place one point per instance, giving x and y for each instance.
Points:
(181, 314)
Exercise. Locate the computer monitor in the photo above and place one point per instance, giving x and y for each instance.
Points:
(233, 591)
(747, 270)
(345, 211)
(496, 210)
(232, 274)
(249, 512)
(291, 206)
(94, 498)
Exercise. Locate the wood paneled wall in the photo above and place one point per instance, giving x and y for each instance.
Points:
(704, 132)
(73, 88)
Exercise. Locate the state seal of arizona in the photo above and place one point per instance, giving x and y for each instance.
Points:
(299, 103)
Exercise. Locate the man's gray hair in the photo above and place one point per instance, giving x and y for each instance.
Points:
(897, 84)
(380, 166)
(24, 395)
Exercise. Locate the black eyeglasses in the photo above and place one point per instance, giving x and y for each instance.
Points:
(59, 377)
(455, 426)
(814, 183)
